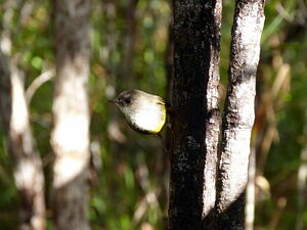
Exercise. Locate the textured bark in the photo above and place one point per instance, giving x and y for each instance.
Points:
(194, 119)
(28, 173)
(239, 113)
(70, 136)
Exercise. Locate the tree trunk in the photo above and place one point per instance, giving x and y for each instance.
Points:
(194, 117)
(70, 136)
(250, 191)
(28, 173)
(301, 182)
(239, 114)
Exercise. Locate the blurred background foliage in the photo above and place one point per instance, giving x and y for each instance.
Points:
(130, 49)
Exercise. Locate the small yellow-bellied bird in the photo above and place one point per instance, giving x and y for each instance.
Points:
(144, 112)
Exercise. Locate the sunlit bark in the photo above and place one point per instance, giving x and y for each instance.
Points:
(239, 114)
(250, 192)
(301, 182)
(28, 173)
(70, 136)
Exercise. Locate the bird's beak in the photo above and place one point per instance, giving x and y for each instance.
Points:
(113, 101)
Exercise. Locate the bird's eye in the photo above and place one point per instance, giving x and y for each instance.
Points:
(127, 100)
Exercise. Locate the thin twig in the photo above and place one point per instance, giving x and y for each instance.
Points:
(283, 13)
(37, 82)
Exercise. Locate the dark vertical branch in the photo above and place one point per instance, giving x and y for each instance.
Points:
(6, 92)
(111, 34)
(239, 113)
(70, 136)
(130, 36)
(169, 64)
(194, 121)
(28, 173)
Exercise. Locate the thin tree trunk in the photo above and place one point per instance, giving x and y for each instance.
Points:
(239, 114)
(70, 136)
(301, 183)
(129, 42)
(250, 192)
(195, 117)
(28, 173)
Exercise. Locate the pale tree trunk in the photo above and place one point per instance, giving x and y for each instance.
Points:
(28, 173)
(70, 136)
(239, 114)
(194, 117)
(250, 192)
(301, 182)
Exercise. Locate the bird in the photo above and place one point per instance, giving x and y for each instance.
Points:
(144, 112)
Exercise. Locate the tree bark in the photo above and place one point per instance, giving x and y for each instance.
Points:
(194, 117)
(250, 191)
(239, 115)
(301, 182)
(28, 173)
(70, 136)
